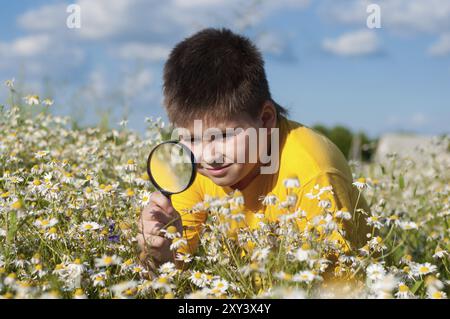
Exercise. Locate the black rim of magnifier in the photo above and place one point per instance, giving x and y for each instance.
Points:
(194, 167)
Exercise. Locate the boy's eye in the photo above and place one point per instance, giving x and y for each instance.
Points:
(224, 136)
(219, 137)
(195, 140)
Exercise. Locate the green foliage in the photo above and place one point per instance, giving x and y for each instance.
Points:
(343, 137)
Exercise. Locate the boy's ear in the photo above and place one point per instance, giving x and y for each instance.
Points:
(268, 115)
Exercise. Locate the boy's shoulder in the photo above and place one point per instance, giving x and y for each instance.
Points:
(307, 153)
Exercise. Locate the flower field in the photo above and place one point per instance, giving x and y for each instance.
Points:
(70, 198)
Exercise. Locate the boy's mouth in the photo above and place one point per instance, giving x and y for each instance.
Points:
(219, 170)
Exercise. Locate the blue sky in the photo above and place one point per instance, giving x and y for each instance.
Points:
(322, 61)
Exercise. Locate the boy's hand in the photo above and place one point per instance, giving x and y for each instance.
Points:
(158, 215)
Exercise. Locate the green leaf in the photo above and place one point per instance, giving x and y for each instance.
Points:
(416, 286)
(401, 182)
(12, 226)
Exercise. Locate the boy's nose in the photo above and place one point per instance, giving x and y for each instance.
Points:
(211, 157)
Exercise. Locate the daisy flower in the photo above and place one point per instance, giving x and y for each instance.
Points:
(177, 243)
(145, 198)
(131, 165)
(10, 83)
(45, 223)
(106, 261)
(41, 154)
(283, 276)
(199, 279)
(47, 102)
(422, 269)
(269, 200)
(79, 294)
(439, 253)
(403, 292)
(31, 99)
(304, 276)
(343, 214)
(375, 272)
(89, 226)
(302, 253)
(171, 232)
(186, 258)
(405, 225)
(99, 279)
(291, 182)
(163, 282)
(361, 184)
(220, 285)
(167, 268)
(375, 220)
(437, 295)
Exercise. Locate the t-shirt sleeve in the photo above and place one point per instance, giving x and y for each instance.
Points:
(342, 197)
(192, 219)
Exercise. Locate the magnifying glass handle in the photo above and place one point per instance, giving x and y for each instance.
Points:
(166, 194)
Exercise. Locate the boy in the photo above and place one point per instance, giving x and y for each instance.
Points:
(218, 77)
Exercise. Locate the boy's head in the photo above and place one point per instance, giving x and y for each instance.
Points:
(218, 77)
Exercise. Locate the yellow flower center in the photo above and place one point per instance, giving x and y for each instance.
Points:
(171, 229)
(128, 262)
(403, 288)
(424, 269)
(437, 295)
(287, 277)
(197, 275)
(79, 292)
(17, 205)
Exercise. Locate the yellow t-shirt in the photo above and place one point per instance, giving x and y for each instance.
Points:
(304, 153)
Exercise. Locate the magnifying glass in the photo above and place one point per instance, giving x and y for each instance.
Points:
(171, 167)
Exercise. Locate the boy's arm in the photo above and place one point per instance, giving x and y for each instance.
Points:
(192, 221)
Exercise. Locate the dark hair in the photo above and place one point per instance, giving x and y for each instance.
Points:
(215, 74)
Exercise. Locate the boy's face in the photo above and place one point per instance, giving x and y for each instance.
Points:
(226, 152)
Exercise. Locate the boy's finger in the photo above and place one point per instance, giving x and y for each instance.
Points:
(155, 213)
(163, 202)
(153, 228)
(152, 241)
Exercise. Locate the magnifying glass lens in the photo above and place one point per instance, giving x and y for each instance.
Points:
(171, 167)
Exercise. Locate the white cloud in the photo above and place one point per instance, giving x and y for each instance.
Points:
(357, 43)
(45, 18)
(397, 16)
(441, 47)
(26, 46)
(135, 20)
(143, 51)
(138, 83)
